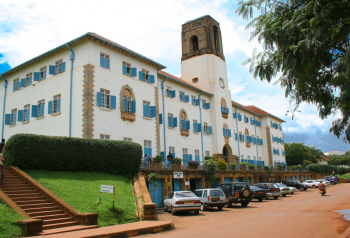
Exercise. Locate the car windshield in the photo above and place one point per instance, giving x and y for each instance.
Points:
(185, 195)
(281, 185)
(216, 193)
(254, 187)
(239, 186)
(198, 193)
(273, 186)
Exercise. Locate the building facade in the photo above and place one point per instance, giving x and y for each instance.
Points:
(92, 87)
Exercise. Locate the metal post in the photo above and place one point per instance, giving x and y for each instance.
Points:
(165, 155)
(3, 109)
(200, 115)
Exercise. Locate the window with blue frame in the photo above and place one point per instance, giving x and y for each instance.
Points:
(58, 68)
(54, 106)
(239, 117)
(149, 111)
(224, 109)
(42, 74)
(246, 119)
(39, 110)
(128, 71)
(196, 155)
(104, 137)
(26, 113)
(25, 82)
(205, 105)
(184, 97)
(147, 148)
(16, 85)
(104, 60)
(226, 131)
(207, 130)
(195, 126)
(241, 137)
(172, 121)
(170, 93)
(194, 100)
(185, 124)
(184, 156)
(145, 76)
(13, 120)
(105, 100)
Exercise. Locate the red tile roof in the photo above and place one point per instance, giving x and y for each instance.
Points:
(257, 110)
(324, 158)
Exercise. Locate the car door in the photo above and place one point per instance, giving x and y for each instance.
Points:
(205, 197)
(168, 199)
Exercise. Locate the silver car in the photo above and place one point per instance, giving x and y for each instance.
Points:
(211, 197)
(284, 189)
(182, 201)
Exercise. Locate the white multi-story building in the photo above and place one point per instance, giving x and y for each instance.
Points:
(92, 87)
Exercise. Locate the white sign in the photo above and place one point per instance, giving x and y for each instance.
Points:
(107, 189)
(178, 175)
(187, 182)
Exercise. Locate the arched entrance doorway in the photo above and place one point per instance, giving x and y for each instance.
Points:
(227, 152)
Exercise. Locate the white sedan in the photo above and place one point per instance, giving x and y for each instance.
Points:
(311, 183)
(325, 182)
(182, 201)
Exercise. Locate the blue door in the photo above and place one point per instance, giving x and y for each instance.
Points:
(227, 180)
(249, 181)
(216, 183)
(156, 193)
(177, 185)
(238, 179)
(198, 183)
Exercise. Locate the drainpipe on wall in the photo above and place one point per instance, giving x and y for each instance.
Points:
(239, 152)
(3, 109)
(257, 147)
(200, 115)
(72, 57)
(162, 87)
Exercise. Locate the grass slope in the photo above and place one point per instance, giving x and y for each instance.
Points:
(344, 176)
(8, 222)
(81, 190)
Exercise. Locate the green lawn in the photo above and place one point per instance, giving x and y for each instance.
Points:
(344, 176)
(81, 190)
(8, 222)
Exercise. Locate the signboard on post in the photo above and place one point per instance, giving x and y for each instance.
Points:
(107, 189)
(178, 175)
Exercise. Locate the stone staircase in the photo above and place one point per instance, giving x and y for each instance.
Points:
(37, 204)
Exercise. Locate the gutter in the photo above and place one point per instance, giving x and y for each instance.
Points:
(72, 57)
(162, 87)
(200, 115)
(239, 152)
(3, 109)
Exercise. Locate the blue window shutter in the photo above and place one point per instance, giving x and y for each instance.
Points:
(173, 154)
(193, 101)
(133, 106)
(141, 75)
(227, 110)
(28, 114)
(197, 102)
(36, 76)
(229, 132)
(153, 111)
(188, 125)
(42, 110)
(151, 78)
(175, 122)
(170, 121)
(125, 69)
(20, 115)
(133, 72)
(224, 132)
(50, 108)
(195, 127)
(99, 99)
(23, 83)
(113, 102)
(150, 152)
(187, 98)
(63, 66)
(208, 105)
(125, 104)
(210, 130)
(44, 75)
(58, 105)
(184, 157)
(183, 124)
(52, 69)
(173, 93)
(145, 110)
(190, 157)
(182, 96)
(203, 104)
(235, 115)
(30, 81)
(197, 158)
(236, 136)
(14, 87)
(223, 109)
(163, 155)
(160, 119)
(199, 127)
(34, 111)
(239, 117)
(243, 138)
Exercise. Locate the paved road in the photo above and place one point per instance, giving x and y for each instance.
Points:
(304, 214)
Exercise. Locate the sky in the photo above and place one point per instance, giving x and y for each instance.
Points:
(152, 28)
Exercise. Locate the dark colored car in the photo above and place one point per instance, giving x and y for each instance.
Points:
(333, 179)
(271, 189)
(258, 193)
(237, 192)
(296, 184)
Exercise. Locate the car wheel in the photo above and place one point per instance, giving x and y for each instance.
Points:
(275, 198)
(292, 193)
(314, 186)
(203, 208)
(283, 195)
(229, 204)
(260, 199)
(172, 211)
(165, 208)
(244, 204)
(245, 193)
(333, 183)
(302, 188)
(220, 208)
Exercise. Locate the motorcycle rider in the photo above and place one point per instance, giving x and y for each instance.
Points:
(321, 186)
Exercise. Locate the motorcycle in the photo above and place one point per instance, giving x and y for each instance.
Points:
(323, 192)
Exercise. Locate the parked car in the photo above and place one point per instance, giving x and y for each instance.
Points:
(269, 188)
(296, 184)
(333, 179)
(258, 193)
(292, 190)
(211, 197)
(284, 189)
(323, 181)
(311, 183)
(236, 192)
(182, 201)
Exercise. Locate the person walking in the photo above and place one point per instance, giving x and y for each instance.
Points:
(2, 144)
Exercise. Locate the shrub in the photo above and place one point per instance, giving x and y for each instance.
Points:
(259, 166)
(210, 171)
(267, 168)
(176, 161)
(232, 165)
(56, 153)
(342, 170)
(193, 163)
(279, 166)
(251, 166)
(323, 168)
(244, 164)
(158, 159)
(222, 165)
(207, 157)
(283, 166)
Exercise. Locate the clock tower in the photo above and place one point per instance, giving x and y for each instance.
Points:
(203, 65)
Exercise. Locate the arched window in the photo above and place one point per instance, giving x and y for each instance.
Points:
(224, 108)
(184, 123)
(216, 38)
(246, 133)
(127, 103)
(194, 42)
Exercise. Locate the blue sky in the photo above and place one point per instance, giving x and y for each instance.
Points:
(153, 28)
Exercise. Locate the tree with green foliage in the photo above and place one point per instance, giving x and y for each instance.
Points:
(297, 153)
(306, 43)
(210, 171)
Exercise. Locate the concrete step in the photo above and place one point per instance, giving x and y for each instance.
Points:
(32, 201)
(40, 209)
(57, 220)
(22, 195)
(49, 217)
(36, 205)
(44, 213)
(58, 225)
(17, 199)
(66, 229)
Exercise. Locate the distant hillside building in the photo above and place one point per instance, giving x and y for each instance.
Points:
(334, 153)
(92, 87)
(323, 160)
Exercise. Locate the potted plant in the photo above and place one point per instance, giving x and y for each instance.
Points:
(267, 168)
(259, 167)
(176, 163)
(222, 165)
(157, 162)
(251, 167)
(244, 165)
(207, 157)
(193, 164)
(279, 166)
(232, 165)
(284, 167)
(294, 167)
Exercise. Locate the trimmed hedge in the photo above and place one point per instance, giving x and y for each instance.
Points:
(38, 152)
(323, 168)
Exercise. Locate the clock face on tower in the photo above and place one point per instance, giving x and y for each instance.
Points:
(221, 83)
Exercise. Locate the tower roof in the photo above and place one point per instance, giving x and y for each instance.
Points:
(200, 18)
